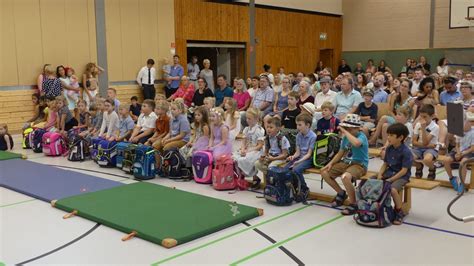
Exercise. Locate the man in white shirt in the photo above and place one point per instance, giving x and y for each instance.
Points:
(193, 70)
(146, 79)
(325, 95)
(416, 81)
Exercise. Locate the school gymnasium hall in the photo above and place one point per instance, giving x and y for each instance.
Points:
(244, 132)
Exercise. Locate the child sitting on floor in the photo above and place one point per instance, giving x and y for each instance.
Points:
(200, 138)
(232, 117)
(350, 163)
(145, 124)
(463, 152)
(251, 148)
(110, 122)
(180, 130)
(425, 139)
(135, 108)
(84, 116)
(66, 120)
(219, 142)
(162, 125)
(328, 123)
(209, 103)
(126, 124)
(276, 147)
(396, 168)
(6, 140)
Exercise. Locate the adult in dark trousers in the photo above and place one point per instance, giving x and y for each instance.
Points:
(177, 71)
(146, 79)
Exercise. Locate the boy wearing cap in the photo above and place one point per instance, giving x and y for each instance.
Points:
(351, 162)
(463, 152)
(367, 111)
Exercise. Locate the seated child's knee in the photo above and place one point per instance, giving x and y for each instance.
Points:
(394, 191)
(347, 177)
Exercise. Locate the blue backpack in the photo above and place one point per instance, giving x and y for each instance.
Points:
(36, 142)
(144, 165)
(107, 153)
(121, 146)
(374, 203)
(278, 189)
(94, 148)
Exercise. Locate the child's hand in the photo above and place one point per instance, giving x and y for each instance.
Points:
(458, 156)
(290, 158)
(327, 167)
(189, 144)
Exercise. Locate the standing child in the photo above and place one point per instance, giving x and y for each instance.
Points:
(276, 148)
(350, 163)
(328, 123)
(110, 122)
(303, 157)
(463, 152)
(180, 130)
(219, 141)
(425, 139)
(367, 111)
(112, 94)
(162, 125)
(232, 118)
(145, 124)
(396, 168)
(6, 140)
(135, 108)
(66, 120)
(288, 119)
(251, 148)
(200, 139)
(84, 116)
(126, 124)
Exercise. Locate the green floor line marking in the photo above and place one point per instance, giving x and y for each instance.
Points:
(287, 240)
(441, 171)
(229, 236)
(16, 203)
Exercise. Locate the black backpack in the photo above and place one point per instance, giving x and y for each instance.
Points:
(78, 149)
(173, 165)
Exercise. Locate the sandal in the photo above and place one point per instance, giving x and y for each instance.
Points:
(432, 173)
(419, 170)
(399, 215)
(339, 199)
(349, 210)
(256, 183)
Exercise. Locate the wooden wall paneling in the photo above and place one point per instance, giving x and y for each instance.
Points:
(54, 30)
(15, 108)
(8, 59)
(148, 30)
(28, 36)
(77, 35)
(165, 30)
(92, 32)
(131, 42)
(114, 40)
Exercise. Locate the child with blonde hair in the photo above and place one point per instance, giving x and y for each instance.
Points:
(232, 117)
(219, 142)
(200, 138)
(251, 148)
(66, 120)
(209, 103)
(180, 130)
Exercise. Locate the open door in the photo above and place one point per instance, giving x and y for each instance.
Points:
(326, 55)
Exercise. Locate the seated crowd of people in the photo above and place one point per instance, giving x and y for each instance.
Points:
(262, 108)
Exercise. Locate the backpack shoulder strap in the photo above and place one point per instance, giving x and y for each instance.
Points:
(332, 124)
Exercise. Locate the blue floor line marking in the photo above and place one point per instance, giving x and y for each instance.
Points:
(407, 223)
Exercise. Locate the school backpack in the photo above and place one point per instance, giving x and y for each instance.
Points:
(326, 147)
(374, 203)
(129, 158)
(26, 138)
(202, 167)
(53, 144)
(290, 135)
(94, 147)
(283, 186)
(144, 165)
(173, 165)
(107, 153)
(78, 149)
(36, 140)
(121, 146)
(223, 175)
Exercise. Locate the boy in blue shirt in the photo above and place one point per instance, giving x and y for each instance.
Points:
(276, 147)
(396, 168)
(305, 140)
(328, 123)
(351, 162)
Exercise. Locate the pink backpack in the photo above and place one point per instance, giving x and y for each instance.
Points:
(53, 144)
(223, 175)
(202, 167)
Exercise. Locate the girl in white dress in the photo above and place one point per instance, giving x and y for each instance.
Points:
(232, 118)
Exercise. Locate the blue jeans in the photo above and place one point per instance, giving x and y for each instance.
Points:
(300, 168)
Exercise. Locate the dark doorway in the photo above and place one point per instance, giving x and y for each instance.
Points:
(326, 55)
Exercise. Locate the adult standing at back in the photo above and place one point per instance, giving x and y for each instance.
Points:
(146, 79)
(347, 99)
(222, 90)
(90, 81)
(206, 73)
(177, 71)
(344, 67)
(51, 84)
(193, 70)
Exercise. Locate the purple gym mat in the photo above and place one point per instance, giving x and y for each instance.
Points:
(48, 183)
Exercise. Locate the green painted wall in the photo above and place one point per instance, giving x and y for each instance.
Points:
(396, 59)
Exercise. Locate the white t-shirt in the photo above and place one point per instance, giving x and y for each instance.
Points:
(147, 122)
(321, 98)
(432, 128)
(415, 87)
(410, 133)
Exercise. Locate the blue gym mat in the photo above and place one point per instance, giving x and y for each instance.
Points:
(48, 183)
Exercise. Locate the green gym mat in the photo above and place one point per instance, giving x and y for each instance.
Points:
(162, 215)
(5, 155)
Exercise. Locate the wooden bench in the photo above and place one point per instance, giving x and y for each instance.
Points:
(442, 158)
(406, 195)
